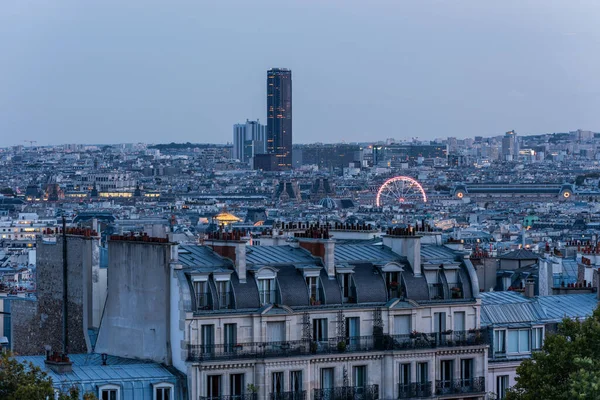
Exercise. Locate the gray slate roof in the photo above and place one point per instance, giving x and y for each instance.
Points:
(521, 254)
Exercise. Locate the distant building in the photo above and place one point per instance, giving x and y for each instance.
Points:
(510, 146)
(279, 116)
(249, 139)
(330, 156)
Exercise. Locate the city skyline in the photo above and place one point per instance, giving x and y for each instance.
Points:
(384, 69)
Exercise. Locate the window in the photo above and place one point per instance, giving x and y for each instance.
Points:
(348, 289)
(499, 342)
(439, 325)
(459, 321)
(208, 339)
(296, 381)
(320, 330)
(519, 341)
(326, 378)
(236, 386)
(275, 333)
(422, 372)
(224, 294)
(110, 392)
(312, 283)
(404, 381)
(402, 324)
(359, 376)
(266, 291)
(213, 386)
(229, 336)
(392, 280)
(353, 331)
(163, 391)
(202, 295)
(277, 384)
(537, 338)
(466, 372)
(447, 373)
(501, 386)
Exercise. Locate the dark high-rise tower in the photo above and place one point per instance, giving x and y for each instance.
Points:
(279, 116)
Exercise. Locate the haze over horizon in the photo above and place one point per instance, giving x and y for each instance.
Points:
(159, 72)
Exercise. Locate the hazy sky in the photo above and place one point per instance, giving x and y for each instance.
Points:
(113, 71)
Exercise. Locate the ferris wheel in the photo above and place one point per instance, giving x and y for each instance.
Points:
(400, 190)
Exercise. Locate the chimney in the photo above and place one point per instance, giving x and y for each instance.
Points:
(322, 248)
(405, 243)
(529, 288)
(230, 245)
(59, 363)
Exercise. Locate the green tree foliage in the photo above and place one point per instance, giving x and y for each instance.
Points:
(20, 381)
(567, 368)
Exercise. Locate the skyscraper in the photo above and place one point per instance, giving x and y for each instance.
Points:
(279, 116)
(510, 146)
(249, 139)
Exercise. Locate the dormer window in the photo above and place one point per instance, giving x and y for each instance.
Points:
(201, 293)
(222, 281)
(392, 274)
(314, 290)
(347, 287)
(266, 280)
(266, 290)
(225, 295)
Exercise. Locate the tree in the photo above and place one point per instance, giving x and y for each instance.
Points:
(568, 367)
(23, 381)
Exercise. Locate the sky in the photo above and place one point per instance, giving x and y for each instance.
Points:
(120, 71)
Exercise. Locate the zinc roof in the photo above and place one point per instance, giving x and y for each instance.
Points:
(437, 252)
(88, 371)
(350, 253)
(508, 308)
(200, 256)
(264, 255)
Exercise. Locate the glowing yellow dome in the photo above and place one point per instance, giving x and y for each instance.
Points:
(226, 218)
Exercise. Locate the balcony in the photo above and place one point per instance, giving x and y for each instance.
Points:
(355, 344)
(414, 390)
(369, 392)
(249, 396)
(460, 386)
(300, 395)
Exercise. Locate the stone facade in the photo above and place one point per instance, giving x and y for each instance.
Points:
(36, 324)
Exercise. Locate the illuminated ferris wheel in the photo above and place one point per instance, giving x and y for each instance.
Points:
(400, 190)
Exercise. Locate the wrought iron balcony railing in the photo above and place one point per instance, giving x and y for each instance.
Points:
(354, 344)
(412, 390)
(299, 395)
(248, 396)
(458, 386)
(368, 392)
